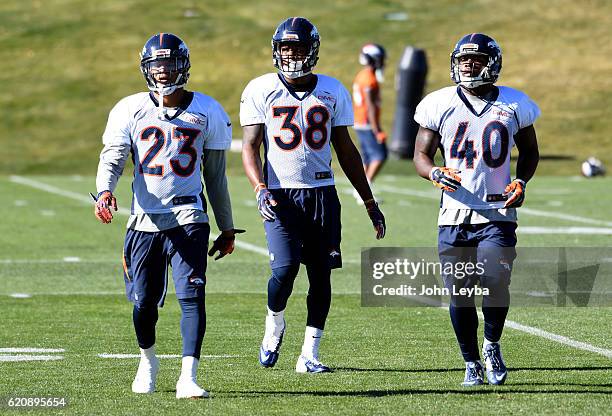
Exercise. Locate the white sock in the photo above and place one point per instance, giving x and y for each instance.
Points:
(486, 342)
(148, 354)
(275, 323)
(312, 339)
(189, 368)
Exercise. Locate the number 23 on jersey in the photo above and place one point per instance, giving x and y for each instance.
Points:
(156, 136)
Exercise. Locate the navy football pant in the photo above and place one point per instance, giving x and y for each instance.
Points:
(147, 256)
(318, 300)
(193, 325)
(490, 244)
(307, 230)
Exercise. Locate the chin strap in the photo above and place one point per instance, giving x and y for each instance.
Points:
(161, 110)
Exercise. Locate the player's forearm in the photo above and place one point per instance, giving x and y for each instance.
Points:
(423, 164)
(425, 147)
(372, 113)
(110, 167)
(251, 161)
(352, 166)
(372, 120)
(213, 162)
(527, 164)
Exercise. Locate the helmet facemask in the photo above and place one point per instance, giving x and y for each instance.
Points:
(177, 67)
(476, 45)
(482, 78)
(295, 66)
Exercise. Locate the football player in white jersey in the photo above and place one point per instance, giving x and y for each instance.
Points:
(174, 136)
(476, 124)
(297, 115)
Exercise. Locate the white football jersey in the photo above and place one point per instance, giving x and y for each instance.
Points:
(477, 141)
(297, 130)
(167, 152)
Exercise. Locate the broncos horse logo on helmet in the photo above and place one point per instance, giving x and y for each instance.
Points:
(173, 52)
(296, 30)
(476, 44)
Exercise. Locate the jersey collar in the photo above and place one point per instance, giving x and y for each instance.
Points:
(467, 103)
(307, 88)
(187, 99)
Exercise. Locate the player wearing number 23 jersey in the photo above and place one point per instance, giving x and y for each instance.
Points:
(175, 138)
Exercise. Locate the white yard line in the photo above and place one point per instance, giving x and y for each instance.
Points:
(30, 350)
(564, 230)
(124, 356)
(559, 338)
(24, 357)
(251, 247)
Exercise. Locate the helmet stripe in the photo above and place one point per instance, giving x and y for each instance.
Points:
(161, 39)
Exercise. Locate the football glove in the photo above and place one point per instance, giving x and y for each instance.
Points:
(224, 244)
(377, 218)
(516, 193)
(381, 137)
(104, 202)
(265, 202)
(445, 178)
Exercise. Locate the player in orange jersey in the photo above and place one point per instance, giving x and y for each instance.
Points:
(366, 106)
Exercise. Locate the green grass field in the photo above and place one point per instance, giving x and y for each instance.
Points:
(388, 360)
(72, 60)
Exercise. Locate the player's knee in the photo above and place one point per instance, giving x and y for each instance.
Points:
(145, 306)
(284, 275)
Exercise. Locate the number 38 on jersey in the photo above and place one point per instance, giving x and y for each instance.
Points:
(312, 129)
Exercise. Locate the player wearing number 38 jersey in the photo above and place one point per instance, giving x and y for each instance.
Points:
(298, 126)
(298, 116)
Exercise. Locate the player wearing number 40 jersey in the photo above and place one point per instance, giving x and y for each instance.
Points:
(298, 115)
(476, 124)
(173, 136)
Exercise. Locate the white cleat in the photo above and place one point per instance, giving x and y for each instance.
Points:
(187, 388)
(144, 382)
(310, 365)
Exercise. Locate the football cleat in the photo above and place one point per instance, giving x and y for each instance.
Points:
(494, 364)
(270, 348)
(187, 388)
(310, 365)
(144, 382)
(473, 374)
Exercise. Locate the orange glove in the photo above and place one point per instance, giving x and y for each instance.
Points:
(516, 193)
(381, 137)
(445, 178)
(104, 202)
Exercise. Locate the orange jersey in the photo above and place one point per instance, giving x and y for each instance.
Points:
(365, 81)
